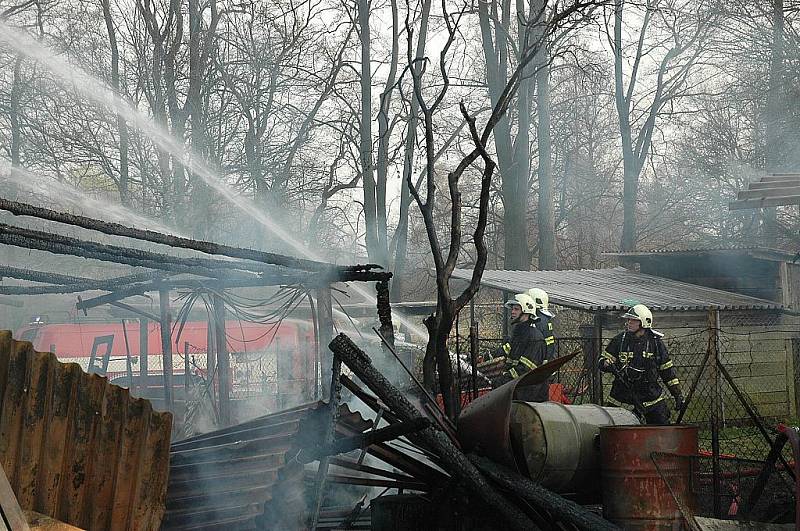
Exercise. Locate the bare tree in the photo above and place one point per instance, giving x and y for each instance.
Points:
(682, 41)
(446, 257)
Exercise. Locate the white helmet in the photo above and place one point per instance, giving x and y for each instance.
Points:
(641, 313)
(525, 301)
(541, 299)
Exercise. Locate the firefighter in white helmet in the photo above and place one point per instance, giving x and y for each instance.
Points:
(638, 358)
(545, 320)
(526, 349)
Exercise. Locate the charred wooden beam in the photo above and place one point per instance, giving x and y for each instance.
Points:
(565, 510)
(47, 241)
(68, 284)
(451, 458)
(204, 267)
(116, 229)
(56, 278)
(39, 276)
(348, 444)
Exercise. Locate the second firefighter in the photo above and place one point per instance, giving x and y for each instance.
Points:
(638, 359)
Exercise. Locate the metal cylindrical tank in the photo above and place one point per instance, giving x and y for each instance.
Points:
(634, 494)
(558, 443)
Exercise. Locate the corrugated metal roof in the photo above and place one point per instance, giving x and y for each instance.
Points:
(614, 289)
(246, 477)
(765, 253)
(77, 448)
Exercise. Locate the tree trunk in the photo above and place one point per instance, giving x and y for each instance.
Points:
(401, 236)
(16, 123)
(122, 127)
(631, 167)
(365, 147)
(545, 215)
(383, 144)
(776, 147)
(514, 179)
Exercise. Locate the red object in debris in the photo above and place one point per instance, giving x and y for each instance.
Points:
(557, 394)
(634, 494)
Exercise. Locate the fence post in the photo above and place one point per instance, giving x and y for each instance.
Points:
(596, 391)
(713, 359)
(325, 328)
(166, 347)
(144, 353)
(223, 361)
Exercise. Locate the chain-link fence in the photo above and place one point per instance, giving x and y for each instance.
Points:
(738, 375)
(741, 397)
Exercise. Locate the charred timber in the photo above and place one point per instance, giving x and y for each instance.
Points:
(116, 229)
(55, 278)
(82, 247)
(451, 458)
(205, 267)
(348, 444)
(565, 510)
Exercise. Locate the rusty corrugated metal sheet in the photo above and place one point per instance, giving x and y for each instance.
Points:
(609, 289)
(77, 448)
(225, 478)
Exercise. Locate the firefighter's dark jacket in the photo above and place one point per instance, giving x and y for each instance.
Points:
(544, 324)
(638, 362)
(528, 349)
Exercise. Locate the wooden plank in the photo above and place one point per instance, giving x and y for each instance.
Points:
(764, 203)
(36, 431)
(769, 192)
(106, 456)
(134, 418)
(146, 514)
(14, 399)
(54, 464)
(12, 512)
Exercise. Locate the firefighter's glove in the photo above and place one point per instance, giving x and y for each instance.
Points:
(679, 404)
(676, 394)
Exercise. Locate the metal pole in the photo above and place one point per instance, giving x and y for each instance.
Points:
(458, 358)
(166, 347)
(473, 348)
(128, 365)
(596, 380)
(223, 362)
(505, 316)
(325, 326)
(718, 349)
(713, 316)
(144, 352)
(186, 371)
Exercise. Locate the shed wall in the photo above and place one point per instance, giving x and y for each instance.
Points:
(77, 448)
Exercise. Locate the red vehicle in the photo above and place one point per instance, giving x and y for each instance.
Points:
(264, 359)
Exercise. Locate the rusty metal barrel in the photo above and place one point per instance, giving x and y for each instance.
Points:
(558, 443)
(635, 493)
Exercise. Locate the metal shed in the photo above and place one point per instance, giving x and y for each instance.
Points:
(755, 341)
(595, 290)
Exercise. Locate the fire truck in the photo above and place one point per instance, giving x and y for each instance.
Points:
(275, 362)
